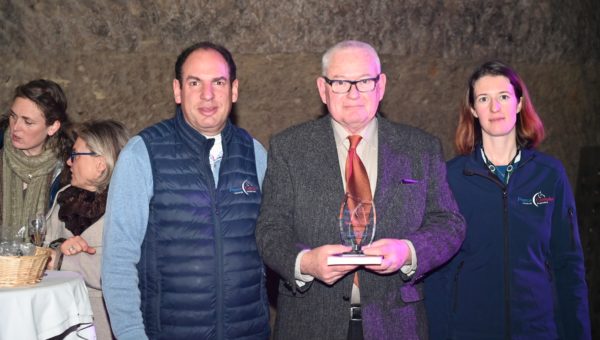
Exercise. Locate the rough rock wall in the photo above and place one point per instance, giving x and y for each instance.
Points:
(115, 58)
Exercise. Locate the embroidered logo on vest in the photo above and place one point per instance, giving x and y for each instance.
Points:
(538, 199)
(246, 188)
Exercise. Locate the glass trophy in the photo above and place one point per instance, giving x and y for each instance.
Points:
(357, 223)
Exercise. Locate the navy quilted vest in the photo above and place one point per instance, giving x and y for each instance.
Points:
(201, 275)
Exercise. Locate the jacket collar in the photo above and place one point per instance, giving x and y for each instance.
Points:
(475, 162)
(195, 139)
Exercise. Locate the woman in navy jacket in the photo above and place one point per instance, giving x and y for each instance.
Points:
(519, 273)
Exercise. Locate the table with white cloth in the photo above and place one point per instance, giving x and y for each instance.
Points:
(49, 308)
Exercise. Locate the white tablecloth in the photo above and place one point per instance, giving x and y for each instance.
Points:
(46, 309)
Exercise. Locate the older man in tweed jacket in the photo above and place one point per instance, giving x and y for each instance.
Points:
(418, 223)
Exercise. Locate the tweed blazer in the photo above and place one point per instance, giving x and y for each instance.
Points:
(303, 190)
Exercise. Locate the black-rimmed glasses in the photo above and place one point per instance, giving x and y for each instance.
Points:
(344, 86)
(73, 155)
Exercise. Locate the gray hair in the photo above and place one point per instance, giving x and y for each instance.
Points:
(106, 138)
(346, 44)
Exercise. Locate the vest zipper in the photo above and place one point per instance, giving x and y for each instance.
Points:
(219, 269)
(218, 252)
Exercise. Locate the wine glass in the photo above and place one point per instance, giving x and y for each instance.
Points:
(357, 223)
(37, 229)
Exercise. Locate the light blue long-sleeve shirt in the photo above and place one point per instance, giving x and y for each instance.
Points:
(126, 220)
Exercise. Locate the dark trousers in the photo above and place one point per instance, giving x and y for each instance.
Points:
(355, 330)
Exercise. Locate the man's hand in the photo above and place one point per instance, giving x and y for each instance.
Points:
(76, 245)
(396, 254)
(314, 263)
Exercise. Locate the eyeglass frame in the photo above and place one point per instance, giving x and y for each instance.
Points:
(73, 155)
(352, 82)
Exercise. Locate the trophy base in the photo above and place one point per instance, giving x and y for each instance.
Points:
(351, 258)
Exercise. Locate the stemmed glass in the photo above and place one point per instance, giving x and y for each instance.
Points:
(37, 229)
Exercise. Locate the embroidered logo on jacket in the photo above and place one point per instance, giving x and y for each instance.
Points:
(246, 188)
(538, 199)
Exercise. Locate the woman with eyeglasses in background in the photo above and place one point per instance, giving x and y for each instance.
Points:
(76, 219)
(34, 152)
(519, 273)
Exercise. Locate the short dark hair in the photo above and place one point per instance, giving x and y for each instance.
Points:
(205, 45)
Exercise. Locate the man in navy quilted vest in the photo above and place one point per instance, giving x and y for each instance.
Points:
(180, 257)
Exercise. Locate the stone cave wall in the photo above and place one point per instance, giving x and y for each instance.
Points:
(115, 58)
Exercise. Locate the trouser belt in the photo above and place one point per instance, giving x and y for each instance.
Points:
(355, 313)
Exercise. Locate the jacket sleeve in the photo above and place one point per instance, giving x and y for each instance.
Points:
(54, 226)
(274, 229)
(126, 220)
(443, 229)
(567, 262)
(260, 158)
(88, 265)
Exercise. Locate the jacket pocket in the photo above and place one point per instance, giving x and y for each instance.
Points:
(572, 227)
(548, 270)
(455, 290)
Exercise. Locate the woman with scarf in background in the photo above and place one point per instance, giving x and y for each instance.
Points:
(34, 152)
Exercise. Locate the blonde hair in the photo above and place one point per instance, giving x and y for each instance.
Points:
(106, 138)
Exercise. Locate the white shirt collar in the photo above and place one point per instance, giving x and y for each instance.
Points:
(368, 134)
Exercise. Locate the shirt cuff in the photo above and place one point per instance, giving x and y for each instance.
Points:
(410, 269)
(301, 279)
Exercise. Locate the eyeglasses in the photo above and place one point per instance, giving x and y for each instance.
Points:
(344, 86)
(74, 155)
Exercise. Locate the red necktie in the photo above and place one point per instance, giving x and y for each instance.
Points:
(358, 187)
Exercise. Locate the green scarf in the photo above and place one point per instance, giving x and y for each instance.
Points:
(18, 207)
